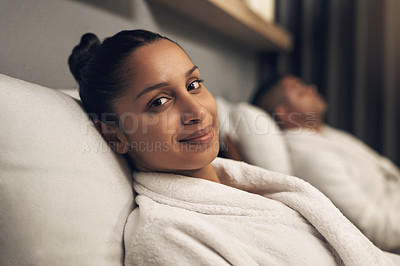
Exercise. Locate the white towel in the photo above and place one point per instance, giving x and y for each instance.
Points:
(282, 221)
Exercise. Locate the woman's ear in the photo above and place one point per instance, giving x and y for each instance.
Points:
(115, 138)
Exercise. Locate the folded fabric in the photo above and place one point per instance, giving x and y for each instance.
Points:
(255, 217)
(364, 185)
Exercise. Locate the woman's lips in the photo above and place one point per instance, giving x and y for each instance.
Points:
(202, 136)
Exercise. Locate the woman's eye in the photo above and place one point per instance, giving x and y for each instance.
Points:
(194, 85)
(158, 102)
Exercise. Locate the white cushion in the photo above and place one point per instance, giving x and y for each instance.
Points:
(64, 195)
(258, 137)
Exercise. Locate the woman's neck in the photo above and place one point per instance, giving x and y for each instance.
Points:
(207, 172)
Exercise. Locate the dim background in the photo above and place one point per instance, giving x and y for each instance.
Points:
(348, 48)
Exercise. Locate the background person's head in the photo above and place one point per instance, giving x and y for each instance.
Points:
(147, 99)
(292, 102)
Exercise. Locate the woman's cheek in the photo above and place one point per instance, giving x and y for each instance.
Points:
(210, 104)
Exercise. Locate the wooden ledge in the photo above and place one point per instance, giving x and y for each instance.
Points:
(234, 19)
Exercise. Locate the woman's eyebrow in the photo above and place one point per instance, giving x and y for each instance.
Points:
(151, 88)
(191, 70)
(163, 84)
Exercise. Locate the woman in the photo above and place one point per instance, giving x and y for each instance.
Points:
(147, 99)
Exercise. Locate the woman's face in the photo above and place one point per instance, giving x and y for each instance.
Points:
(169, 117)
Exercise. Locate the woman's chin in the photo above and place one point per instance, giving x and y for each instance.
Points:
(196, 161)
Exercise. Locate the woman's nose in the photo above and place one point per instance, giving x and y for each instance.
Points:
(192, 112)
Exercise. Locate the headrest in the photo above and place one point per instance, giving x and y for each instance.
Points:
(65, 196)
(258, 137)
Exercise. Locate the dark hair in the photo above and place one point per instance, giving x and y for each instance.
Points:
(101, 69)
(266, 86)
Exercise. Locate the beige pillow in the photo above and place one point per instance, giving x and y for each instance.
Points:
(64, 195)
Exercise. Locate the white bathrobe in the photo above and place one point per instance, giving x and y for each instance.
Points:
(362, 184)
(257, 218)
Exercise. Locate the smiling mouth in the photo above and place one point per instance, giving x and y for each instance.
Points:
(202, 136)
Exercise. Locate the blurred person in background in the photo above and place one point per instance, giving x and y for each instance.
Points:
(364, 185)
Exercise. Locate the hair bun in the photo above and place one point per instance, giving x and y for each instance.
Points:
(81, 54)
